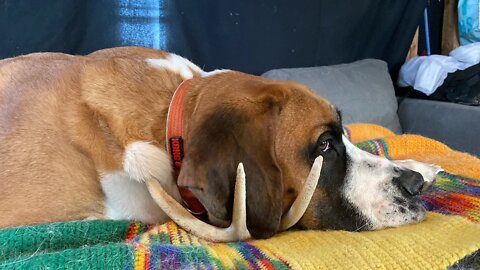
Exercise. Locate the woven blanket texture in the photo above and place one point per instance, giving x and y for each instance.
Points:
(450, 232)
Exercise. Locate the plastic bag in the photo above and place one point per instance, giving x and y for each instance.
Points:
(427, 73)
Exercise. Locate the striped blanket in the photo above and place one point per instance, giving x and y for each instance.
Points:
(450, 232)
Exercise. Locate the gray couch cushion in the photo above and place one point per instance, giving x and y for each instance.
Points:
(362, 90)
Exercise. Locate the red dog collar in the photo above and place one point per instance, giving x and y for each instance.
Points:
(176, 138)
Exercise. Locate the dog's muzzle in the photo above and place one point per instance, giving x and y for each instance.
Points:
(387, 193)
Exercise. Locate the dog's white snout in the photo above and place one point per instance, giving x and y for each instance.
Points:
(387, 192)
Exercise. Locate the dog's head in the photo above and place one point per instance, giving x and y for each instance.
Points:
(277, 129)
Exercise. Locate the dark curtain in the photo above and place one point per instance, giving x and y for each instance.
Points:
(248, 35)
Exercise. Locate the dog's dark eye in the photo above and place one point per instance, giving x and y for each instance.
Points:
(324, 146)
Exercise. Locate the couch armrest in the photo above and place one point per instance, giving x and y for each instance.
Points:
(456, 125)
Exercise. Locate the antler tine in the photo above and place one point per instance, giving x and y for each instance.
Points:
(302, 201)
(237, 231)
(239, 215)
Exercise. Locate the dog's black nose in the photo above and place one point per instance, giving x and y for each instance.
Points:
(410, 182)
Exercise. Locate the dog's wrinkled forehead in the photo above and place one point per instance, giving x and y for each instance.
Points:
(304, 118)
(307, 113)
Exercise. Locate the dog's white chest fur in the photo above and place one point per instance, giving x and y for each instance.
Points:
(128, 199)
(126, 195)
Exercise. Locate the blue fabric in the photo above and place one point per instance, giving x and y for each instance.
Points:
(468, 21)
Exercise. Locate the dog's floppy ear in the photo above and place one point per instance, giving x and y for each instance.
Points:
(240, 130)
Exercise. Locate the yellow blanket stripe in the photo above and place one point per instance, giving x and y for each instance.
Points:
(436, 243)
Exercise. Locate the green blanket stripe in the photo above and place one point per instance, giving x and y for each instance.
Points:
(111, 256)
(15, 242)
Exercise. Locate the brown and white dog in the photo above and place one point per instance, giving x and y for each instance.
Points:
(80, 135)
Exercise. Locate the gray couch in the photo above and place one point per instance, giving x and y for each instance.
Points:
(364, 92)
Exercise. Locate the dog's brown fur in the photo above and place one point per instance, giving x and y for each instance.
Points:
(65, 120)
